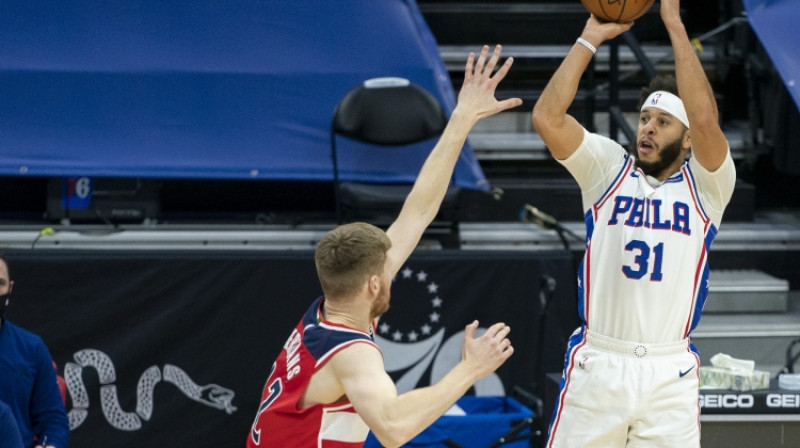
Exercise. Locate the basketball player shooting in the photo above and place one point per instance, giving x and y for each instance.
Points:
(630, 375)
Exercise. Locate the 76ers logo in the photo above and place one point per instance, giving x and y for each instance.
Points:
(416, 344)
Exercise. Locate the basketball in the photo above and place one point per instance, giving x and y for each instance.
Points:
(617, 10)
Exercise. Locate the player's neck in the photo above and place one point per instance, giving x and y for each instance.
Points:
(347, 313)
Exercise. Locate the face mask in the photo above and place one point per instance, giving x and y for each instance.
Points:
(4, 300)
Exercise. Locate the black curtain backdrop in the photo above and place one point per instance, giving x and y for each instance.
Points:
(172, 349)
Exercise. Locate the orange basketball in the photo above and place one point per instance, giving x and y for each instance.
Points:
(617, 10)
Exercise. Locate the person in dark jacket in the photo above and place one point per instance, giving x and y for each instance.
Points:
(28, 384)
(9, 433)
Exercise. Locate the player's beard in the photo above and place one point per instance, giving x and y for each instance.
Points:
(667, 155)
(381, 304)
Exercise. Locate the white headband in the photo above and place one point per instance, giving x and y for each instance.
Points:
(669, 103)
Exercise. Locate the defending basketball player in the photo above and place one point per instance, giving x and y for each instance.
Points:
(328, 387)
(630, 375)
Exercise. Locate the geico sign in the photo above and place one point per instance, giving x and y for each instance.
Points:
(783, 401)
(732, 401)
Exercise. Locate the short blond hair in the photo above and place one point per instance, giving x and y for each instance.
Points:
(348, 255)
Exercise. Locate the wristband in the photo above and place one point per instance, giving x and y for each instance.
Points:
(586, 44)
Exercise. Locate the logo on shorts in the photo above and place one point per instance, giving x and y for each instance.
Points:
(682, 373)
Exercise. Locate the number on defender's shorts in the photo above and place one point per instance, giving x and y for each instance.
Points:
(642, 260)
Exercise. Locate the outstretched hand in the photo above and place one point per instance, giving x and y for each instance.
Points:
(480, 82)
(489, 351)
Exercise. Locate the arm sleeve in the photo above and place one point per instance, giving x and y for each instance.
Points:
(48, 415)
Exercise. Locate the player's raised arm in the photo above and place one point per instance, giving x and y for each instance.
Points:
(561, 132)
(709, 145)
(476, 100)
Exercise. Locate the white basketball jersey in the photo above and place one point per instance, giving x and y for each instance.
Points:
(644, 275)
